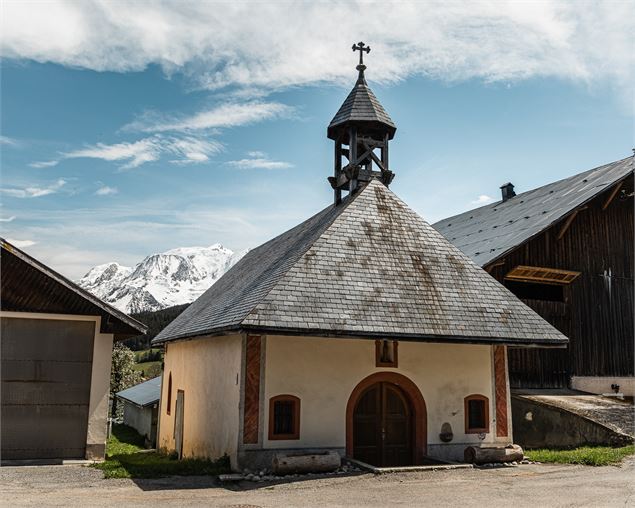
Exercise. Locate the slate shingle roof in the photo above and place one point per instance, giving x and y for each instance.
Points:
(491, 231)
(369, 267)
(361, 105)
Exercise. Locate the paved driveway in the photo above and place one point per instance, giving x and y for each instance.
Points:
(528, 485)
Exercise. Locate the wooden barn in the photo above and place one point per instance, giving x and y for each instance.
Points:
(566, 250)
(56, 351)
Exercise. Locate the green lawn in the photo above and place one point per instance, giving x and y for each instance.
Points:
(587, 455)
(148, 368)
(126, 458)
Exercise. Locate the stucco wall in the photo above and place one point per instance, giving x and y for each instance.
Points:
(207, 370)
(139, 418)
(601, 385)
(99, 392)
(323, 373)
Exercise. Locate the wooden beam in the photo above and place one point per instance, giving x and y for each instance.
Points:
(489, 268)
(616, 189)
(569, 221)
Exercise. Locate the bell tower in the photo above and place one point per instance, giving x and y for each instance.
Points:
(360, 129)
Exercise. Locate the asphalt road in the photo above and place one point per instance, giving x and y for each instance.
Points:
(526, 485)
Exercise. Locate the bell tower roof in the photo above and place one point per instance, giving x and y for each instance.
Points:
(361, 108)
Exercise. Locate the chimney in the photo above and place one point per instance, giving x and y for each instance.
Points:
(507, 190)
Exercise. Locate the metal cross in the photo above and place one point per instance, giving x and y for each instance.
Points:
(361, 47)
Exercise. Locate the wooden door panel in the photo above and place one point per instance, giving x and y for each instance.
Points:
(382, 427)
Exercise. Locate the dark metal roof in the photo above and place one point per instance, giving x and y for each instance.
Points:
(491, 231)
(361, 107)
(144, 394)
(369, 267)
(30, 286)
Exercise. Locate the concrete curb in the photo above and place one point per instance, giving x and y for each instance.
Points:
(408, 469)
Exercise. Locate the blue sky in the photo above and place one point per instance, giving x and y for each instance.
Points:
(131, 139)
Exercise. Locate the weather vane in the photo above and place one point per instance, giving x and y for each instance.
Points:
(361, 47)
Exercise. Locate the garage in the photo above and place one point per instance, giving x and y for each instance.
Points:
(55, 353)
(46, 371)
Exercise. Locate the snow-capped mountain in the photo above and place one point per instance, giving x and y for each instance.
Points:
(161, 280)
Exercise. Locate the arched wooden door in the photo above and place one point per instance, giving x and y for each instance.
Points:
(383, 426)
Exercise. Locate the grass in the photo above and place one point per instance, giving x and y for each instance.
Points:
(146, 366)
(126, 458)
(587, 455)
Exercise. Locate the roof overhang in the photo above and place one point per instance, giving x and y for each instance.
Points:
(30, 286)
(345, 334)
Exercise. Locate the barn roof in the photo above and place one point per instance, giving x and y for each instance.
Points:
(368, 267)
(30, 286)
(491, 231)
(144, 394)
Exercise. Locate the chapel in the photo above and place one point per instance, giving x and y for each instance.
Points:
(362, 330)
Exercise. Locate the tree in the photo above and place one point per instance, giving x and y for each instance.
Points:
(122, 374)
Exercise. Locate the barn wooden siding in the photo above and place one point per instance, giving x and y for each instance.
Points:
(597, 314)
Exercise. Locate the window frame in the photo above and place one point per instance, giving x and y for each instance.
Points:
(168, 407)
(479, 430)
(395, 351)
(296, 417)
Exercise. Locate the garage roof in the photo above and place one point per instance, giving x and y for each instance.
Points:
(30, 286)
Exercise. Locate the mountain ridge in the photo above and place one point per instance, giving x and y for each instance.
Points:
(174, 277)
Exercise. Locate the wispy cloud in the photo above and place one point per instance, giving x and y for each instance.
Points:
(44, 164)
(106, 191)
(301, 43)
(226, 115)
(33, 191)
(483, 199)
(5, 140)
(20, 244)
(259, 160)
(7, 219)
(182, 150)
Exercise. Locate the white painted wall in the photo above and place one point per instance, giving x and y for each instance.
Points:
(600, 385)
(208, 371)
(323, 372)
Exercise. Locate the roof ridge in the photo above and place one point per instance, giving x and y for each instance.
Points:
(524, 193)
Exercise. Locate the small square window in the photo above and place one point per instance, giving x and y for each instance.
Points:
(284, 417)
(476, 414)
(386, 353)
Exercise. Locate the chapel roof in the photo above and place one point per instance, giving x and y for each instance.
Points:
(368, 267)
(491, 231)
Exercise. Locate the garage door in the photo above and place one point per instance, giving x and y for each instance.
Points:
(46, 373)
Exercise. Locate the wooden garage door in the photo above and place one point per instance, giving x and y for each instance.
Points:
(46, 374)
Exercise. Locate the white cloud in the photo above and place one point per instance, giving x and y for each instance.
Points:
(277, 44)
(32, 191)
(226, 115)
(106, 191)
(20, 244)
(483, 199)
(5, 140)
(259, 160)
(135, 154)
(186, 149)
(7, 219)
(44, 164)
